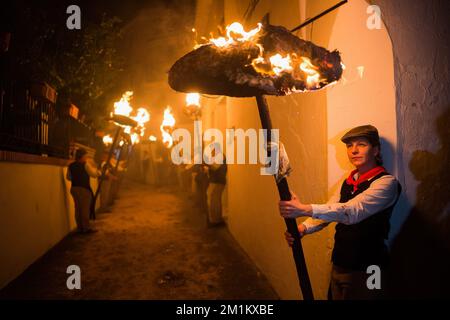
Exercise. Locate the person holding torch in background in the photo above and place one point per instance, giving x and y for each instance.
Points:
(79, 173)
(362, 210)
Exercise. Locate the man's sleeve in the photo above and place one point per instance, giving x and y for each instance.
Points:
(313, 225)
(91, 170)
(381, 194)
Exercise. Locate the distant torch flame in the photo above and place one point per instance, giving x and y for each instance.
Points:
(134, 138)
(107, 140)
(192, 108)
(166, 126)
(142, 117)
(235, 32)
(123, 107)
(193, 99)
(152, 138)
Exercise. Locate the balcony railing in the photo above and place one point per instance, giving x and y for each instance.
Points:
(30, 123)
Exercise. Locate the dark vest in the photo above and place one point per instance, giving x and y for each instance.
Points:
(80, 177)
(219, 175)
(360, 245)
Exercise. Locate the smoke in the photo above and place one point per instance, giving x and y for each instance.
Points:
(155, 34)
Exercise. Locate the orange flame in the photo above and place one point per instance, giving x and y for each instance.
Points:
(312, 76)
(280, 64)
(142, 117)
(123, 107)
(134, 138)
(166, 126)
(107, 140)
(274, 65)
(193, 99)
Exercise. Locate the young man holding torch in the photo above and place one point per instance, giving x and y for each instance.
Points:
(362, 210)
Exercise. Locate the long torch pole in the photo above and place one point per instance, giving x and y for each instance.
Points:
(291, 224)
(102, 176)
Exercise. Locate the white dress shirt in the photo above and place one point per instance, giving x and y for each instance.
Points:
(381, 194)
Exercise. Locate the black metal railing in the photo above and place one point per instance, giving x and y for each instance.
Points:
(30, 123)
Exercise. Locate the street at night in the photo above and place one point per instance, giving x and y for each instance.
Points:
(154, 244)
(246, 156)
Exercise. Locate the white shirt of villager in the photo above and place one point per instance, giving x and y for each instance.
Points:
(235, 140)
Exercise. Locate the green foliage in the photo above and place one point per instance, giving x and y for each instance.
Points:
(84, 66)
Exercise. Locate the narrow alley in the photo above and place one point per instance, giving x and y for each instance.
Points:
(153, 245)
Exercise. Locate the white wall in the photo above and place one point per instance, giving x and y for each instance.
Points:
(36, 212)
(366, 92)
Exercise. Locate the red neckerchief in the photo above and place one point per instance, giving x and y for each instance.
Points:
(363, 177)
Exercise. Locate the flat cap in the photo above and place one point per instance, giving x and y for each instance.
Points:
(367, 131)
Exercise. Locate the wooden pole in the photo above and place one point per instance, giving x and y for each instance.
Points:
(285, 194)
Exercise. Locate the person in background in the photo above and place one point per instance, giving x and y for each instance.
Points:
(362, 209)
(106, 192)
(119, 169)
(217, 180)
(79, 173)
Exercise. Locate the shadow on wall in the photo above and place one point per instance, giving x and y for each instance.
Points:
(421, 251)
(387, 150)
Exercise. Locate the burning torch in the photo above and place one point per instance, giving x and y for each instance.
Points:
(267, 60)
(120, 117)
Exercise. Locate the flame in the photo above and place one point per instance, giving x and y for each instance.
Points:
(121, 143)
(237, 28)
(134, 138)
(280, 64)
(193, 99)
(235, 32)
(167, 139)
(142, 117)
(312, 76)
(167, 124)
(271, 63)
(107, 140)
(169, 120)
(152, 138)
(123, 107)
(275, 65)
